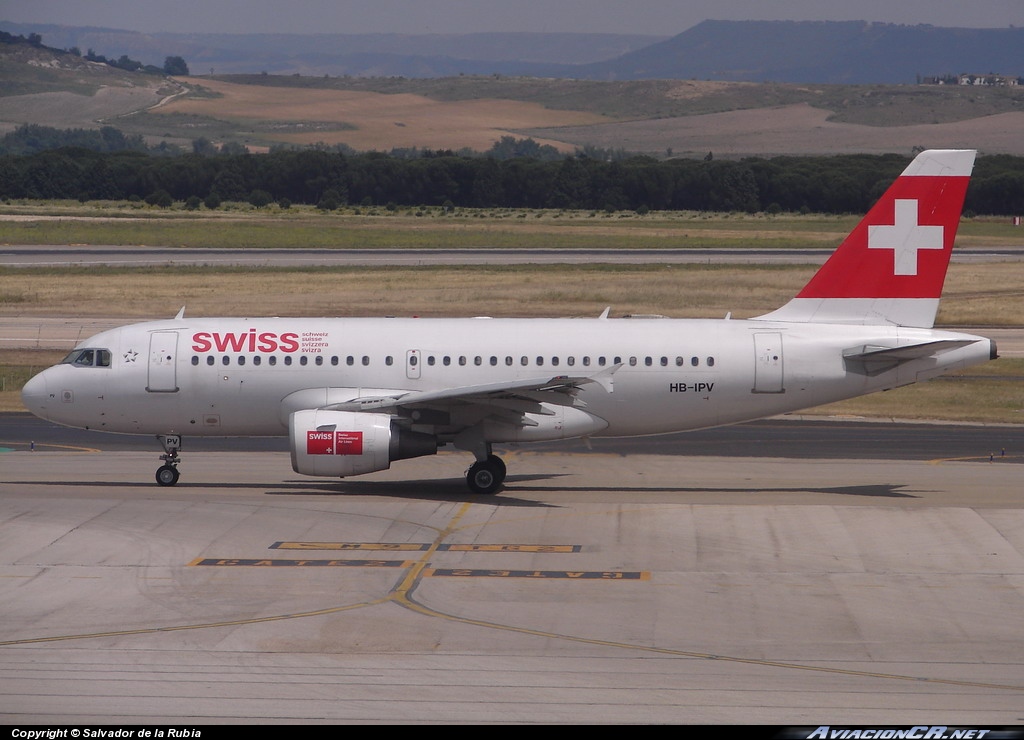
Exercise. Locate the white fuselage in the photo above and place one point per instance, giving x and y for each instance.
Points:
(239, 377)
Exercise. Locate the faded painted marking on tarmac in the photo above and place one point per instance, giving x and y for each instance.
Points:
(578, 575)
(422, 547)
(288, 563)
(427, 572)
(33, 446)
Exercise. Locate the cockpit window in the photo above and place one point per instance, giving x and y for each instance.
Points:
(88, 358)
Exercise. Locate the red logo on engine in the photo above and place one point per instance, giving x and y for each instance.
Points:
(319, 443)
(334, 443)
(349, 443)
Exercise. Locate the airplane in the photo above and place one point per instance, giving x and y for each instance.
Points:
(354, 395)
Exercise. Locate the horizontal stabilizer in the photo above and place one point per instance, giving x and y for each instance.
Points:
(874, 359)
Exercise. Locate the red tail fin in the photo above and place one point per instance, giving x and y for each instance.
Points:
(891, 267)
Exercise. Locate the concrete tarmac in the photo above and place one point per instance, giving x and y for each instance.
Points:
(596, 588)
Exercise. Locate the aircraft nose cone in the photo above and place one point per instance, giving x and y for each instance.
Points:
(35, 396)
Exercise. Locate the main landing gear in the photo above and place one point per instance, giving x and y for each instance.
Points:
(167, 474)
(486, 476)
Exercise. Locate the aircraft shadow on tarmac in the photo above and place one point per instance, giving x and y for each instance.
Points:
(453, 489)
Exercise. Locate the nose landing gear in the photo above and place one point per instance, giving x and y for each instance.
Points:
(167, 474)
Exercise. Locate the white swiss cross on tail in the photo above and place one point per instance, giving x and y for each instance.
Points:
(905, 237)
(891, 267)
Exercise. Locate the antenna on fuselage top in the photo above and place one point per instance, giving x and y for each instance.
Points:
(181, 313)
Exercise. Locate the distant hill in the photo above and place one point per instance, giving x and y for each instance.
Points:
(356, 55)
(51, 87)
(852, 52)
(849, 52)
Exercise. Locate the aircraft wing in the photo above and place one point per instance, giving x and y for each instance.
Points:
(520, 396)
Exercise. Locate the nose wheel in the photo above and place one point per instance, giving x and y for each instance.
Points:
(167, 474)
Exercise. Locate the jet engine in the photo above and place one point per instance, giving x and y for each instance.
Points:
(342, 443)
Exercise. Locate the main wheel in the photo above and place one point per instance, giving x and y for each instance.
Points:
(486, 476)
(499, 467)
(167, 475)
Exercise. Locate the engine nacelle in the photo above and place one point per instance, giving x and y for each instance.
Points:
(342, 443)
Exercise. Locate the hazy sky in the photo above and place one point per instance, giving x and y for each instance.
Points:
(660, 17)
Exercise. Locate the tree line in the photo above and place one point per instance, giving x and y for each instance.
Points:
(173, 65)
(121, 168)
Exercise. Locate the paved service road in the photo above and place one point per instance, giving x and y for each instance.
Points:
(17, 255)
(598, 587)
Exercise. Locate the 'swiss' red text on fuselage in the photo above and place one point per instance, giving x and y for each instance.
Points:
(249, 341)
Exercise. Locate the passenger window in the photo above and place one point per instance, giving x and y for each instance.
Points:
(711, 362)
(273, 360)
(319, 360)
(695, 361)
(256, 360)
(210, 360)
(195, 360)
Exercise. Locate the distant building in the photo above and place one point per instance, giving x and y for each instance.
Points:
(989, 80)
(986, 80)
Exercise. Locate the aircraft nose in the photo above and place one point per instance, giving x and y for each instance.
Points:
(35, 396)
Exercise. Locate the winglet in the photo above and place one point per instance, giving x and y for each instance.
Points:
(181, 314)
(891, 268)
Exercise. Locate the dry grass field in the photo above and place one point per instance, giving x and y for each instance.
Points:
(791, 129)
(990, 294)
(685, 117)
(370, 120)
